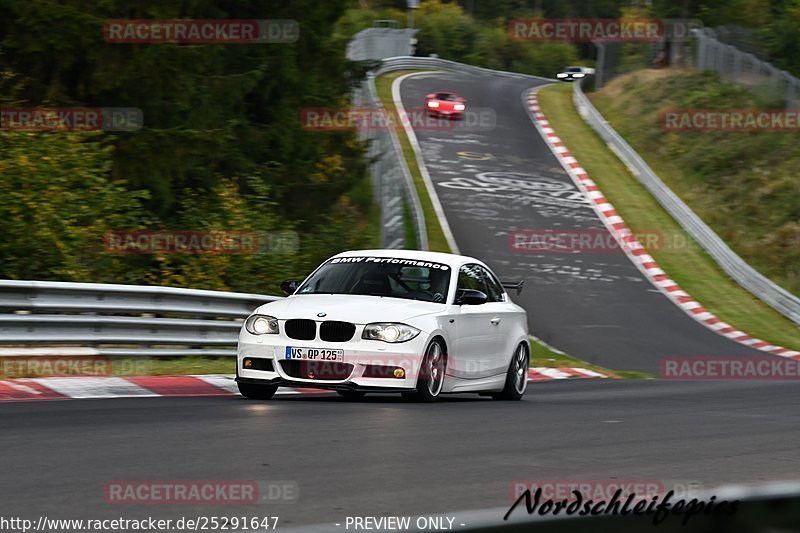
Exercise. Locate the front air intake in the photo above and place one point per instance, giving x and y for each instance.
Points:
(333, 331)
(301, 329)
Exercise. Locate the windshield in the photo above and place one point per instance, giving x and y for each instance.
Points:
(381, 276)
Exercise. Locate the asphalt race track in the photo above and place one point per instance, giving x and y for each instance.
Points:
(501, 177)
(383, 456)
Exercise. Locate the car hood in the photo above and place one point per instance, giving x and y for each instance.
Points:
(349, 308)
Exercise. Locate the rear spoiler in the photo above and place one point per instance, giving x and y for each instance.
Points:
(513, 285)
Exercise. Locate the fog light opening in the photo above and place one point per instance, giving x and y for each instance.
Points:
(399, 373)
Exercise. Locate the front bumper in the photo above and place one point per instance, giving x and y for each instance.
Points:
(321, 385)
(358, 352)
(445, 114)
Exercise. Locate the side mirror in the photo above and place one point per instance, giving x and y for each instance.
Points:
(289, 286)
(471, 297)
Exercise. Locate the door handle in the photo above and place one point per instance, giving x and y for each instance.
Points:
(495, 320)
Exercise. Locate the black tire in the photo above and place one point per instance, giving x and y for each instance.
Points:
(257, 392)
(517, 375)
(351, 395)
(431, 373)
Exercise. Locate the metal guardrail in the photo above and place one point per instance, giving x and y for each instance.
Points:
(378, 43)
(123, 319)
(434, 63)
(391, 177)
(776, 297)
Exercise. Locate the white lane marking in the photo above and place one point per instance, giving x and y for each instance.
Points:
(750, 342)
(220, 381)
(20, 387)
(552, 373)
(546, 345)
(227, 382)
(587, 372)
(719, 325)
(423, 170)
(94, 387)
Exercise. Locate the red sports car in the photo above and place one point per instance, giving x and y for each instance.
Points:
(443, 104)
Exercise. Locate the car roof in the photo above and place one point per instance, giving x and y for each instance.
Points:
(452, 260)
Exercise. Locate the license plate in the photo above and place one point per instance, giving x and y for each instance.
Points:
(314, 354)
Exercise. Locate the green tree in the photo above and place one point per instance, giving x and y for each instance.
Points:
(783, 36)
(58, 201)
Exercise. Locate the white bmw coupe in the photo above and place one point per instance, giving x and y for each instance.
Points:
(418, 323)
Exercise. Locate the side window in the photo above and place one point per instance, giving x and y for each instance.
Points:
(495, 293)
(470, 277)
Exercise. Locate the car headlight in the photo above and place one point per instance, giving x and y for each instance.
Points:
(433, 104)
(561, 75)
(261, 324)
(578, 75)
(459, 107)
(389, 332)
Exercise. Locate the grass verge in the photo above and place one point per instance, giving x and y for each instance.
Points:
(130, 366)
(689, 266)
(742, 184)
(436, 239)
